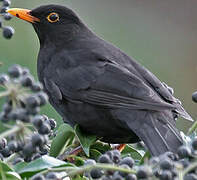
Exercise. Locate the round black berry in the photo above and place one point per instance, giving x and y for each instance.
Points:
(104, 159)
(28, 150)
(96, 173)
(4, 79)
(38, 121)
(6, 152)
(117, 176)
(38, 177)
(143, 172)
(15, 71)
(131, 177)
(6, 2)
(44, 129)
(32, 101)
(12, 145)
(184, 152)
(116, 156)
(127, 160)
(52, 176)
(7, 16)
(25, 71)
(37, 140)
(27, 80)
(166, 164)
(125, 166)
(194, 96)
(36, 87)
(3, 117)
(166, 175)
(8, 32)
(3, 143)
(6, 107)
(52, 123)
(43, 98)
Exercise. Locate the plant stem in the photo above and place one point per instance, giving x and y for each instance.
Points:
(188, 169)
(72, 171)
(3, 94)
(192, 129)
(100, 166)
(15, 129)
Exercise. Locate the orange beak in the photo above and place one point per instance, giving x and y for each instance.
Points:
(23, 14)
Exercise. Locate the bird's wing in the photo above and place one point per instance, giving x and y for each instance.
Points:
(108, 85)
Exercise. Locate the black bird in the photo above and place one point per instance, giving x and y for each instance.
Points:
(94, 84)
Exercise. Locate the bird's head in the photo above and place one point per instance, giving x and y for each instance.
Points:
(51, 22)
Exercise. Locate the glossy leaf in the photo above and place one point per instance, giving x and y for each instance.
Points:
(63, 138)
(134, 153)
(45, 162)
(85, 140)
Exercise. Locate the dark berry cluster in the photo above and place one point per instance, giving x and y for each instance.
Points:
(114, 158)
(49, 176)
(164, 167)
(8, 31)
(24, 97)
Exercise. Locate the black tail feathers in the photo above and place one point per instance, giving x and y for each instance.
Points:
(159, 135)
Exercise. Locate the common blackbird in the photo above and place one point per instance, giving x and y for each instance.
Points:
(94, 84)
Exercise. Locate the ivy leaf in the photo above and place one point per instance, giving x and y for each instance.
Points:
(146, 156)
(94, 153)
(6, 172)
(101, 147)
(5, 167)
(12, 175)
(134, 153)
(85, 140)
(63, 138)
(29, 169)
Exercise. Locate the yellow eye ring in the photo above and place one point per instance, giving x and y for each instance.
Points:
(53, 17)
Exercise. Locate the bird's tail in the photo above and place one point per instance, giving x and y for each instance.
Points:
(158, 134)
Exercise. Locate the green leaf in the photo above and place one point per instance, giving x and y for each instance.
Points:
(45, 162)
(77, 160)
(5, 167)
(134, 153)
(94, 154)
(12, 176)
(85, 140)
(6, 172)
(64, 136)
(101, 147)
(146, 156)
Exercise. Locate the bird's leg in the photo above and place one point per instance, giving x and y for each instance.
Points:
(120, 147)
(74, 152)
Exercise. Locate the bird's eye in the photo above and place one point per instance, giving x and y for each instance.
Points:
(53, 17)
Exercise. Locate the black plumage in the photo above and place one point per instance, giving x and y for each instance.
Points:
(92, 83)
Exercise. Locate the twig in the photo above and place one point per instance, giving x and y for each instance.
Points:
(190, 168)
(72, 171)
(15, 129)
(192, 129)
(3, 94)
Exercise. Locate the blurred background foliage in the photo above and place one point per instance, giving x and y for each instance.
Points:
(161, 35)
